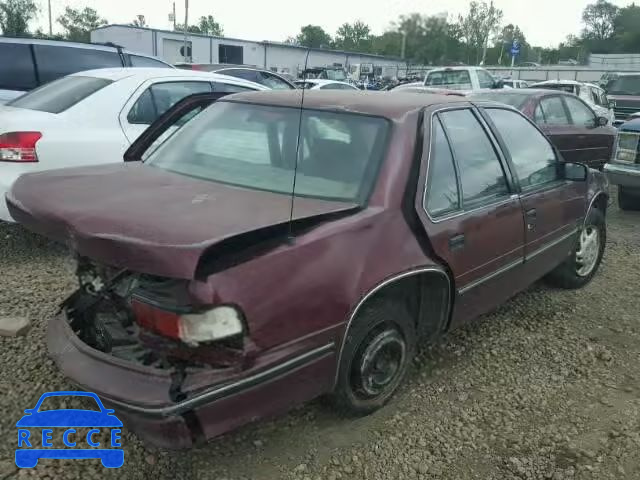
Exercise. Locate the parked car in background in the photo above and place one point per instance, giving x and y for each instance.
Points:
(623, 92)
(624, 168)
(606, 78)
(411, 215)
(530, 64)
(26, 63)
(512, 83)
(90, 118)
(593, 95)
(321, 84)
(465, 79)
(574, 128)
(256, 75)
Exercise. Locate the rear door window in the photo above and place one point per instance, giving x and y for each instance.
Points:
(54, 62)
(160, 97)
(449, 78)
(481, 175)
(442, 188)
(17, 71)
(58, 96)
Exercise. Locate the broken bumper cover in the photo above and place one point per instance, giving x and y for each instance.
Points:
(140, 395)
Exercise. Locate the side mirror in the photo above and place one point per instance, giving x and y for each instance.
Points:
(575, 172)
(499, 83)
(602, 121)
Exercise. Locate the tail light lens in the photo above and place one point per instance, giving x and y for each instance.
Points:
(192, 328)
(19, 146)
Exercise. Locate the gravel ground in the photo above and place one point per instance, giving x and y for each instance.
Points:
(547, 387)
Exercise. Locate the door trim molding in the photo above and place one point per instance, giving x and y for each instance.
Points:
(550, 244)
(486, 278)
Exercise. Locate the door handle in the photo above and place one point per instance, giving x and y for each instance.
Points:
(531, 217)
(456, 242)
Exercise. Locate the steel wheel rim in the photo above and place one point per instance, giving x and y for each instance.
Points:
(588, 250)
(380, 364)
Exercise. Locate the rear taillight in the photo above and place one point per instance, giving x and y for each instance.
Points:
(192, 328)
(19, 146)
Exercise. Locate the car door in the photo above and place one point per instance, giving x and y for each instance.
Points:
(593, 141)
(471, 213)
(552, 117)
(553, 207)
(485, 80)
(152, 100)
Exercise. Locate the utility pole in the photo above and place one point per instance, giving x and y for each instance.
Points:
(186, 23)
(174, 16)
(50, 23)
(404, 44)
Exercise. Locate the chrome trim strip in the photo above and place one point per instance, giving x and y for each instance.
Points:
(551, 244)
(377, 288)
(219, 392)
(486, 278)
(624, 169)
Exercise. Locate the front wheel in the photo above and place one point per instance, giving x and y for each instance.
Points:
(377, 352)
(583, 263)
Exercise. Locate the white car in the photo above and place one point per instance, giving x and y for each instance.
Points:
(512, 83)
(592, 94)
(463, 79)
(323, 84)
(91, 118)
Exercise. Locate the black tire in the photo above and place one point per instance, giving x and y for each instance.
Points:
(626, 201)
(384, 324)
(567, 275)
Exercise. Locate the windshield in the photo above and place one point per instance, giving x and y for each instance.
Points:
(254, 147)
(452, 79)
(625, 85)
(61, 94)
(516, 100)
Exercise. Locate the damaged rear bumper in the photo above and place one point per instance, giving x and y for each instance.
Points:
(141, 395)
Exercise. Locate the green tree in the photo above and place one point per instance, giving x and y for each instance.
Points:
(481, 21)
(15, 16)
(627, 29)
(139, 21)
(599, 20)
(313, 36)
(209, 26)
(354, 37)
(78, 24)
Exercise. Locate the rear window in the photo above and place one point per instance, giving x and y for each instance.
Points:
(516, 100)
(254, 147)
(449, 78)
(54, 61)
(559, 87)
(140, 61)
(58, 96)
(16, 67)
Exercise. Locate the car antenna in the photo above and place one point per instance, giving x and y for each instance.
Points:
(295, 166)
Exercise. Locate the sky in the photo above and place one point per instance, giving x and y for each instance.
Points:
(544, 22)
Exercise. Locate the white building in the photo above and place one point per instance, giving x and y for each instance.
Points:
(274, 56)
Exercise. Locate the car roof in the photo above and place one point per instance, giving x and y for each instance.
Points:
(62, 43)
(376, 103)
(530, 92)
(319, 81)
(116, 74)
(457, 67)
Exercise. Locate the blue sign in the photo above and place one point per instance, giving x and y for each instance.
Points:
(515, 48)
(61, 424)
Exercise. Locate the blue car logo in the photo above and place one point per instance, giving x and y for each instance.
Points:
(33, 444)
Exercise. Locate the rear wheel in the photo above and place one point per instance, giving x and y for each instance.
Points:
(581, 266)
(626, 201)
(378, 350)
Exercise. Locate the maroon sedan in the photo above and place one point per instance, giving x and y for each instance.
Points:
(573, 127)
(238, 271)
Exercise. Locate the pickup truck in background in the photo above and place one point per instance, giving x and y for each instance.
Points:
(463, 79)
(623, 92)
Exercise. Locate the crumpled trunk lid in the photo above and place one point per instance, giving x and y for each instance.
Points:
(146, 219)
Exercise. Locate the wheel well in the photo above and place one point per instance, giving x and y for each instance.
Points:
(601, 202)
(425, 295)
